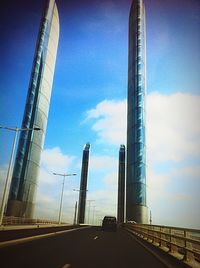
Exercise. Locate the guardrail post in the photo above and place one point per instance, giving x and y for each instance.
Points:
(189, 255)
(163, 244)
(161, 236)
(173, 247)
(152, 234)
(156, 240)
(148, 232)
(160, 241)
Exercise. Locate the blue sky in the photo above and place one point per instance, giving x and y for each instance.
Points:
(89, 101)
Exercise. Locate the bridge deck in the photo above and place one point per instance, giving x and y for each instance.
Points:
(88, 247)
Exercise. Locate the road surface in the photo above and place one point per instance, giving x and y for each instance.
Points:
(85, 248)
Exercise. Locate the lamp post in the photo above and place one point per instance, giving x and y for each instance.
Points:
(16, 130)
(150, 218)
(75, 190)
(75, 212)
(93, 214)
(61, 199)
(89, 201)
(81, 205)
(98, 216)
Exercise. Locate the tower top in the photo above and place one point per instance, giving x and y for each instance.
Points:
(87, 146)
(122, 147)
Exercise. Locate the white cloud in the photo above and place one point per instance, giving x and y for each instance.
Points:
(189, 172)
(165, 186)
(49, 188)
(173, 196)
(105, 201)
(102, 162)
(172, 122)
(54, 160)
(173, 148)
(46, 177)
(48, 205)
(110, 121)
(111, 179)
(173, 128)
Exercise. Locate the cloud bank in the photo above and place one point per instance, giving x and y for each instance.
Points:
(173, 151)
(109, 121)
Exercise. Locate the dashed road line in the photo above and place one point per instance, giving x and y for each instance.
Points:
(67, 266)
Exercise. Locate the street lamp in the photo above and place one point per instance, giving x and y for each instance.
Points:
(98, 216)
(61, 199)
(89, 201)
(75, 212)
(81, 204)
(76, 190)
(93, 214)
(17, 130)
(150, 218)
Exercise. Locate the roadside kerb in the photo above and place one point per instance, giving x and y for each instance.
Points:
(31, 238)
(30, 226)
(25, 231)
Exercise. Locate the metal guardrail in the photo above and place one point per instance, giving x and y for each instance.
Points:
(10, 220)
(182, 243)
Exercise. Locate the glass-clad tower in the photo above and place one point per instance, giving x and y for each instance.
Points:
(136, 209)
(83, 184)
(25, 174)
(121, 184)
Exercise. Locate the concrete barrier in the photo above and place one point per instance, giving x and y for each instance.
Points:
(181, 243)
(28, 231)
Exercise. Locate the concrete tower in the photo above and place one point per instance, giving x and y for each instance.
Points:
(27, 162)
(83, 184)
(136, 209)
(121, 185)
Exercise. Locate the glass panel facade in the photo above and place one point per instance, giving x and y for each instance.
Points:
(138, 195)
(136, 152)
(24, 180)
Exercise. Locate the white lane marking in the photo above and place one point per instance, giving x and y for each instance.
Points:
(96, 237)
(66, 266)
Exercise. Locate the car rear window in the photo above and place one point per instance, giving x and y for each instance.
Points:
(110, 219)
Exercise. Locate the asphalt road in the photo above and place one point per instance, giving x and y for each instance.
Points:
(86, 248)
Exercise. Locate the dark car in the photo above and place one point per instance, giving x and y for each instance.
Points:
(109, 223)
